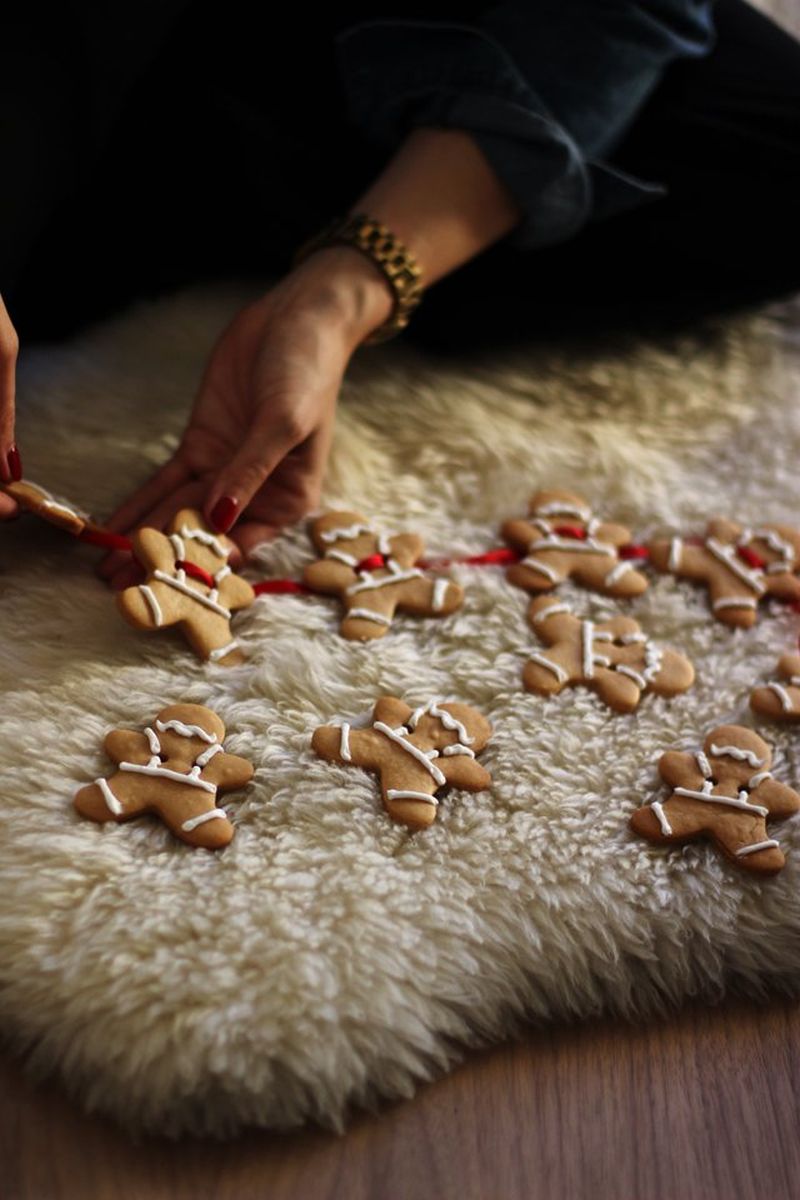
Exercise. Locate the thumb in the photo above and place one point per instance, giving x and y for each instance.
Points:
(263, 448)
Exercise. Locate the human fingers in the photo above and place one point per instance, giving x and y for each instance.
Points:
(187, 496)
(10, 461)
(166, 480)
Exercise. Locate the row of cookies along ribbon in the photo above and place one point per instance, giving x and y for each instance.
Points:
(176, 767)
(190, 584)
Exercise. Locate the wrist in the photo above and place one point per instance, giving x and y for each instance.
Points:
(340, 284)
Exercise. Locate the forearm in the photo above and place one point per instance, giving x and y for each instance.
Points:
(438, 195)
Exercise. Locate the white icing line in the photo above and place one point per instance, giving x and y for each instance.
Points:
(572, 545)
(397, 794)
(152, 741)
(587, 644)
(177, 545)
(367, 614)
(180, 586)
(703, 764)
(207, 539)
(632, 639)
(558, 508)
(344, 743)
(675, 554)
(754, 847)
(207, 755)
(421, 756)
(661, 817)
(349, 560)
(164, 773)
(458, 748)
(439, 592)
(542, 660)
(155, 607)
(729, 801)
(222, 651)
(727, 556)
(221, 574)
(186, 730)
(385, 544)
(345, 533)
(111, 800)
(544, 613)
(787, 704)
(396, 575)
(543, 568)
(617, 572)
(215, 814)
(748, 756)
(732, 602)
(447, 719)
(639, 680)
(757, 780)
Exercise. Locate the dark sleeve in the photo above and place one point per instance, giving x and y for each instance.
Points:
(546, 88)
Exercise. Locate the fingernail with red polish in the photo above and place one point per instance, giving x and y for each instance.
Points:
(223, 514)
(15, 464)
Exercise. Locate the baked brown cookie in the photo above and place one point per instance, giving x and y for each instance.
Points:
(374, 575)
(189, 584)
(780, 700)
(37, 500)
(174, 769)
(613, 657)
(562, 539)
(737, 564)
(414, 751)
(724, 792)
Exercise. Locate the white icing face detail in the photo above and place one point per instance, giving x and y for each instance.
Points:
(214, 814)
(346, 533)
(186, 730)
(208, 539)
(447, 719)
(748, 756)
(397, 794)
(559, 508)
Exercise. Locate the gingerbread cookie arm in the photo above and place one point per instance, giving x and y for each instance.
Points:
(431, 597)
(236, 592)
(723, 529)
(461, 771)
(406, 548)
(518, 533)
(679, 769)
(341, 744)
(675, 675)
(784, 586)
(677, 557)
(613, 534)
(152, 548)
(612, 576)
(227, 771)
(779, 798)
(328, 575)
(619, 691)
(126, 745)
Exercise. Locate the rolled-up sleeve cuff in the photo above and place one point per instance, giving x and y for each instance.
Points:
(398, 75)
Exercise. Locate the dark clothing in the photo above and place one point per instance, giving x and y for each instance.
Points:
(656, 159)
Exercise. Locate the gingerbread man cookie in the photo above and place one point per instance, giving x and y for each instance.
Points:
(37, 500)
(725, 792)
(174, 769)
(374, 575)
(780, 700)
(738, 566)
(614, 657)
(563, 540)
(190, 584)
(414, 751)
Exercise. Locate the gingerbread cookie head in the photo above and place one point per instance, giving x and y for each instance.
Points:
(374, 575)
(37, 500)
(189, 584)
(175, 769)
(738, 565)
(562, 539)
(415, 752)
(780, 699)
(724, 792)
(613, 657)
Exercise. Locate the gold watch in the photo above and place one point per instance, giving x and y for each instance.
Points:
(389, 254)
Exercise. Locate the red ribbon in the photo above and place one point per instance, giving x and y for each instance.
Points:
(373, 562)
(498, 557)
(632, 551)
(279, 587)
(571, 531)
(751, 558)
(105, 538)
(195, 572)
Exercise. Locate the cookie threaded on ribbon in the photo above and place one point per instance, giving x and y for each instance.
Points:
(374, 575)
(174, 769)
(614, 657)
(726, 793)
(188, 584)
(33, 498)
(738, 565)
(414, 751)
(562, 539)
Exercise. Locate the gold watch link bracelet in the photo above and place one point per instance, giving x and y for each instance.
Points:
(387, 252)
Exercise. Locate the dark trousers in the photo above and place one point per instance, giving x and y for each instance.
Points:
(203, 175)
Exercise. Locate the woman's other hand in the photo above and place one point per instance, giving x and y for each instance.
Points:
(254, 451)
(10, 464)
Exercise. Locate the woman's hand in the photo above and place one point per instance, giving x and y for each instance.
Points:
(259, 434)
(10, 465)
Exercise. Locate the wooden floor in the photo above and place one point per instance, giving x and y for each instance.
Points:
(706, 1105)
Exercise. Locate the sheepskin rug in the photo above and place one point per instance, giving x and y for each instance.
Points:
(328, 957)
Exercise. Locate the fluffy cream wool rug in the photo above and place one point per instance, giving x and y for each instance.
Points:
(329, 957)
